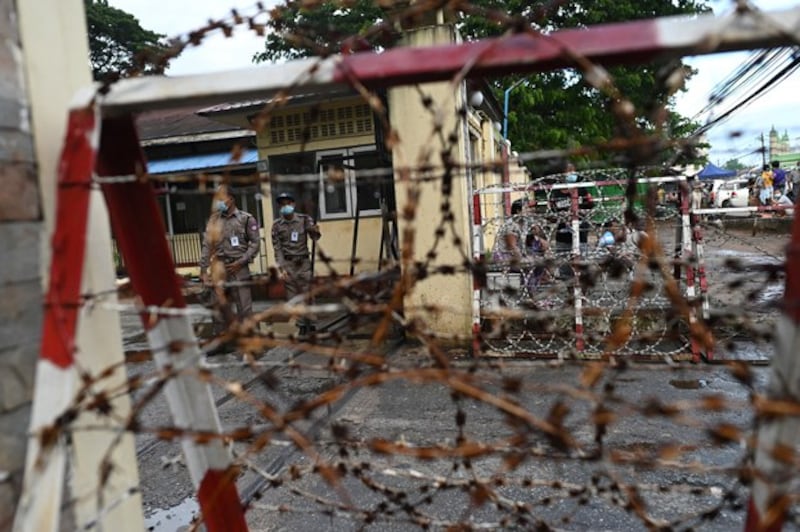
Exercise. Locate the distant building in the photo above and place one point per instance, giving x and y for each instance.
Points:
(780, 148)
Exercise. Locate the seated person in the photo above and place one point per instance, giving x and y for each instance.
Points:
(783, 200)
(537, 247)
(508, 245)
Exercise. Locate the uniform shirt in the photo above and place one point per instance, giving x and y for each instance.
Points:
(290, 237)
(238, 239)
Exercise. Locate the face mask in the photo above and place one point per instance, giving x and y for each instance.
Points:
(572, 178)
(222, 207)
(286, 210)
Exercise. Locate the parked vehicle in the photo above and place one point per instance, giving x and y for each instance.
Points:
(711, 190)
(732, 193)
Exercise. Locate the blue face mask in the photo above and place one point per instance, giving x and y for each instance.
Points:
(572, 178)
(287, 210)
(222, 207)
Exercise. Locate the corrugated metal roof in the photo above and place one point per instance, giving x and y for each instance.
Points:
(166, 123)
(200, 162)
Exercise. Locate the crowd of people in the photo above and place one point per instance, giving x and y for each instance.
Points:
(773, 186)
(523, 242)
(776, 186)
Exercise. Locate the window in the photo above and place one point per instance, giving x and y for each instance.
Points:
(290, 127)
(285, 170)
(353, 179)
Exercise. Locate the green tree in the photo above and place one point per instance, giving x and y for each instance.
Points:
(118, 45)
(734, 164)
(556, 109)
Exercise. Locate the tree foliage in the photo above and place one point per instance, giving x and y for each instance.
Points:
(734, 164)
(118, 45)
(556, 109)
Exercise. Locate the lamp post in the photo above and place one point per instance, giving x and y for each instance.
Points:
(505, 105)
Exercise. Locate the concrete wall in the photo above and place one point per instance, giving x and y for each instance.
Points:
(20, 280)
(419, 143)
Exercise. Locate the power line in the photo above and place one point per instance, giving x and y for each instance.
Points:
(770, 84)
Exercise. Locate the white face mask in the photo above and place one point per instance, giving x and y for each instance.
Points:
(572, 178)
(222, 207)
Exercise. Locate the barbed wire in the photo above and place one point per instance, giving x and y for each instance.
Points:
(562, 443)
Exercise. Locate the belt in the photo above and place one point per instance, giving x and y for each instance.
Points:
(228, 260)
(300, 256)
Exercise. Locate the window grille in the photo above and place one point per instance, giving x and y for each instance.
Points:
(298, 126)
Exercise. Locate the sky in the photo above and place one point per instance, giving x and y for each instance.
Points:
(732, 139)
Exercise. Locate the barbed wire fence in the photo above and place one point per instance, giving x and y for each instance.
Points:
(572, 445)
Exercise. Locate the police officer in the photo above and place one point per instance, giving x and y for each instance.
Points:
(232, 238)
(290, 233)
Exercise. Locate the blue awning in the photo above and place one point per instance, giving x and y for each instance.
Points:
(205, 161)
(712, 171)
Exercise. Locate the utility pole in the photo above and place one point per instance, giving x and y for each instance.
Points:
(763, 151)
(505, 106)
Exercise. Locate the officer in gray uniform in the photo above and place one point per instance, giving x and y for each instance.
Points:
(232, 238)
(290, 235)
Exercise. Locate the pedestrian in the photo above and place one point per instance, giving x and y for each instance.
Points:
(779, 181)
(784, 201)
(765, 193)
(795, 179)
(537, 248)
(231, 240)
(290, 234)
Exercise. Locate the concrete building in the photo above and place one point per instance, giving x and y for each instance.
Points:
(781, 149)
(330, 150)
(21, 227)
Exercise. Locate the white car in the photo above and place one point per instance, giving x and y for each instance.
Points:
(733, 193)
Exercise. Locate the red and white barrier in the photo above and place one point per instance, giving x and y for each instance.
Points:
(140, 232)
(688, 258)
(477, 259)
(75, 345)
(577, 291)
(56, 376)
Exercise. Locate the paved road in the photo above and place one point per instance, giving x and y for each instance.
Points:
(670, 460)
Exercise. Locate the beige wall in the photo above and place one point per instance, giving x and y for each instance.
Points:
(419, 144)
(451, 293)
(491, 204)
(337, 243)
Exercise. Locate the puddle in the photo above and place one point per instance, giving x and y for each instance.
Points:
(688, 384)
(772, 292)
(751, 256)
(742, 349)
(172, 519)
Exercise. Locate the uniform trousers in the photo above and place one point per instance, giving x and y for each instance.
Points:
(238, 304)
(298, 280)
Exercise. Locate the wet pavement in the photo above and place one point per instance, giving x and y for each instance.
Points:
(658, 447)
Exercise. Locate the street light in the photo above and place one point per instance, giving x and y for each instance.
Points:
(505, 106)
